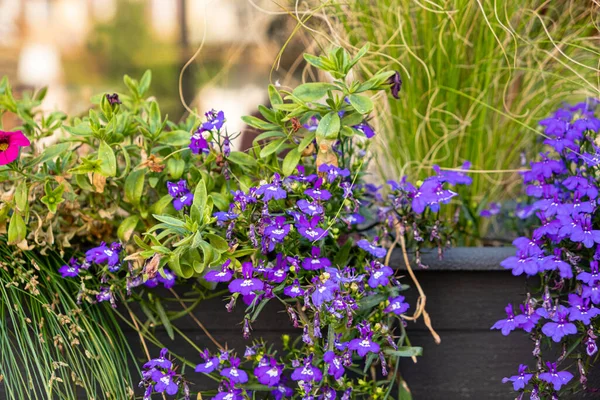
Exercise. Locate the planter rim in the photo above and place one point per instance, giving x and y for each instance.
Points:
(458, 259)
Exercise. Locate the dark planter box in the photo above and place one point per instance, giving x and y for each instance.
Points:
(466, 293)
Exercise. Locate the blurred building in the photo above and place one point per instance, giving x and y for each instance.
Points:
(47, 43)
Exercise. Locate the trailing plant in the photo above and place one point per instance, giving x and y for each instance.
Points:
(292, 221)
(560, 314)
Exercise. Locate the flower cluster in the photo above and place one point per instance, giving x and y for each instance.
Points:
(159, 376)
(564, 251)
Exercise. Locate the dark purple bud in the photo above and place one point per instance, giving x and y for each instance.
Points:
(231, 304)
(113, 99)
(317, 326)
(395, 84)
(306, 336)
(390, 340)
(247, 328)
(383, 364)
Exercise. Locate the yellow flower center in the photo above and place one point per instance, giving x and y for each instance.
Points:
(3, 146)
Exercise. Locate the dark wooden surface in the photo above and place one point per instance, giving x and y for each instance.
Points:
(466, 294)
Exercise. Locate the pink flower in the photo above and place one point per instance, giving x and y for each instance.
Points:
(9, 146)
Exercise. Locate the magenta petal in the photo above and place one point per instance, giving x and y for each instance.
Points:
(18, 139)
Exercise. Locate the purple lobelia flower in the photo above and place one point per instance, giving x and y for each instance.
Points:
(592, 292)
(181, 195)
(508, 324)
(327, 393)
(310, 228)
(225, 216)
(590, 343)
(380, 274)
(336, 366)
(310, 208)
(560, 325)
(324, 291)
(71, 269)
(528, 319)
(371, 248)
(198, 143)
(592, 277)
(160, 362)
(165, 382)
(282, 391)
(307, 372)
(333, 172)
(365, 129)
(167, 278)
(235, 374)
(521, 380)
(493, 209)
(315, 261)
(397, 305)
(431, 193)
(520, 263)
(454, 177)
(581, 310)
(224, 275)
(302, 177)
(247, 285)
(104, 254)
(272, 191)
(316, 193)
(105, 294)
(270, 373)
(364, 344)
(230, 393)
(209, 364)
(556, 378)
(214, 120)
(294, 290)
(584, 233)
(554, 262)
(278, 230)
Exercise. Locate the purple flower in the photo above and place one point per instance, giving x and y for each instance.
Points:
(71, 269)
(317, 193)
(379, 275)
(307, 372)
(371, 248)
(315, 261)
(431, 193)
(521, 263)
(590, 277)
(167, 278)
(364, 344)
(556, 379)
(235, 374)
(164, 382)
(105, 295)
(333, 172)
(454, 177)
(310, 229)
(397, 305)
(365, 129)
(269, 374)
(247, 285)
(528, 319)
(224, 275)
(591, 292)
(581, 310)
(506, 325)
(215, 120)
(294, 290)
(324, 291)
(282, 391)
(395, 84)
(208, 366)
(309, 208)
(225, 216)
(104, 254)
(198, 143)
(301, 177)
(160, 362)
(336, 366)
(230, 393)
(181, 195)
(560, 326)
(521, 380)
(272, 191)
(278, 230)
(493, 209)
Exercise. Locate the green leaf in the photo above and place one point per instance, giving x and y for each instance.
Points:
(405, 351)
(21, 195)
(108, 161)
(145, 82)
(217, 242)
(318, 62)
(272, 147)
(134, 186)
(175, 138)
(50, 153)
(329, 126)
(258, 123)
(154, 118)
(199, 204)
(207, 255)
(313, 91)
(127, 228)
(175, 167)
(87, 165)
(17, 230)
(170, 220)
(291, 160)
(306, 141)
(161, 204)
(162, 314)
(274, 95)
(240, 158)
(268, 135)
(362, 104)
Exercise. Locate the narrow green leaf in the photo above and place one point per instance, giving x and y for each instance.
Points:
(272, 147)
(362, 104)
(291, 160)
(134, 186)
(240, 158)
(405, 351)
(329, 126)
(108, 161)
(274, 95)
(162, 314)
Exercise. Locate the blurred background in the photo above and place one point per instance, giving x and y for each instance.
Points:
(82, 47)
(478, 74)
